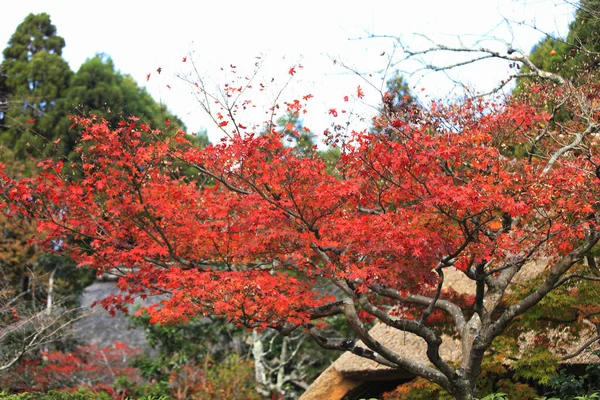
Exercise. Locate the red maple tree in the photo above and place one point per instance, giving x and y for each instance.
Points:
(257, 229)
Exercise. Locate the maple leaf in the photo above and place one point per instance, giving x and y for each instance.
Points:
(147, 77)
(184, 59)
(359, 92)
(292, 71)
(276, 223)
(159, 70)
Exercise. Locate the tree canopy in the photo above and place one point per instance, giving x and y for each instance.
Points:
(271, 236)
(253, 239)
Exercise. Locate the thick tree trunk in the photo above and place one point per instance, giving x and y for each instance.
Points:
(463, 391)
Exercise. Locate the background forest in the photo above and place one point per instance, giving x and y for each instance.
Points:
(211, 356)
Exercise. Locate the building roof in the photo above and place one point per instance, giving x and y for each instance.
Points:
(352, 368)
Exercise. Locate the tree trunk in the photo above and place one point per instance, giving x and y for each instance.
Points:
(281, 370)
(260, 372)
(50, 290)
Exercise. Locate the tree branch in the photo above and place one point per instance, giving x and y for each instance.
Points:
(446, 305)
(581, 349)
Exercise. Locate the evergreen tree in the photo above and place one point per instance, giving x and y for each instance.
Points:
(38, 91)
(36, 80)
(3, 96)
(398, 91)
(98, 88)
(575, 54)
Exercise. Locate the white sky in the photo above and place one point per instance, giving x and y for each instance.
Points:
(143, 35)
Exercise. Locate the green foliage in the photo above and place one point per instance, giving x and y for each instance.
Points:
(215, 338)
(98, 88)
(69, 281)
(35, 33)
(588, 397)
(496, 396)
(537, 364)
(81, 394)
(152, 391)
(231, 378)
(575, 54)
(568, 386)
(37, 78)
(41, 92)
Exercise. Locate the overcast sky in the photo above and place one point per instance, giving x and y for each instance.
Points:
(141, 36)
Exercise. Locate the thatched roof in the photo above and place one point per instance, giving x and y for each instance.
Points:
(415, 348)
(402, 343)
(357, 369)
(330, 385)
(350, 371)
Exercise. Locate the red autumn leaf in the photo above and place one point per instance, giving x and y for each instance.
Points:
(148, 77)
(32, 120)
(263, 231)
(159, 70)
(184, 59)
(292, 71)
(359, 92)
(86, 366)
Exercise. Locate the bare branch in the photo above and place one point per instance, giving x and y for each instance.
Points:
(567, 278)
(581, 349)
(591, 128)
